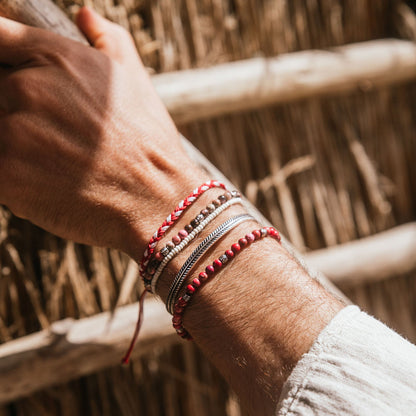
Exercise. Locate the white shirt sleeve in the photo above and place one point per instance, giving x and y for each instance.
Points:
(357, 366)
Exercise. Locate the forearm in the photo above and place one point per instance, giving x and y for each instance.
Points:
(256, 317)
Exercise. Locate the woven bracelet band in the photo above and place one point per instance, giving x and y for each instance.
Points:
(219, 232)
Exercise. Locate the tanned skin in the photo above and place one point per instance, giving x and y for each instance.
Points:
(88, 152)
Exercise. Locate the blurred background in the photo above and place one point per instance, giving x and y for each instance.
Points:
(325, 170)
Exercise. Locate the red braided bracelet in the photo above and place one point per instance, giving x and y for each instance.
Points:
(176, 213)
(211, 270)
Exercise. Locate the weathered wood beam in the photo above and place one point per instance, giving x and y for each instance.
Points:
(381, 256)
(71, 349)
(245, 85)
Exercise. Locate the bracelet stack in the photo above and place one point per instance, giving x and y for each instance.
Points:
(182, 239)
(154, 261)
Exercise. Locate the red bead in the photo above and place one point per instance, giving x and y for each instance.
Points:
(190, 290)
(243, 242)
(217, 264)
(158, 256)
(235, 248)
(196, 282)
(176, 239)
(229, 254)
(273, 233)
(182, 301)
(209, 270)
(250, 238)
(178, 309)
(177, 319)
(257, 234)
(182, 234)
(203, 276)
(177, 326)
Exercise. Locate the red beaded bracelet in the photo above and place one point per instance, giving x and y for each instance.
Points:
(176, 213)
(211, 270)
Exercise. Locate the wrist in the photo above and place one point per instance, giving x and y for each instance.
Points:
(143, 215)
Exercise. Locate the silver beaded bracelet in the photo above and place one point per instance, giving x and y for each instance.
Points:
(175, 251)
(197, 253)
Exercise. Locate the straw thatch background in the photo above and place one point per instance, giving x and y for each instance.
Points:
(352, 170)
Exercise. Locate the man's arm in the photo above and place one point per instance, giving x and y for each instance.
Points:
(88, 152)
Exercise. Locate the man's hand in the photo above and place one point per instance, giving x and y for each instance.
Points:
(87, 150)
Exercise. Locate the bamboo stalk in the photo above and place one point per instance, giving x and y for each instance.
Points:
(70, 349)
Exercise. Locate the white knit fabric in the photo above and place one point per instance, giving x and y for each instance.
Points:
(357, 366)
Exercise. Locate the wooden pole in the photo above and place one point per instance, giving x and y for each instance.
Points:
(43, 14)
(245, 85)
(384, 255)
(71, 349)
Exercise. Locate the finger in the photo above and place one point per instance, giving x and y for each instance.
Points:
(106, 36)
(16, 42)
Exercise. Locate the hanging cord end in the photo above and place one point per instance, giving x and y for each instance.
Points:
(126, 358)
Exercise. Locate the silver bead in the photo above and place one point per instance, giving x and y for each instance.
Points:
(165, 251)
(199, 217)
(223, 259)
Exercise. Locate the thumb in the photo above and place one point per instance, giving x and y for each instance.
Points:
(106, 36)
